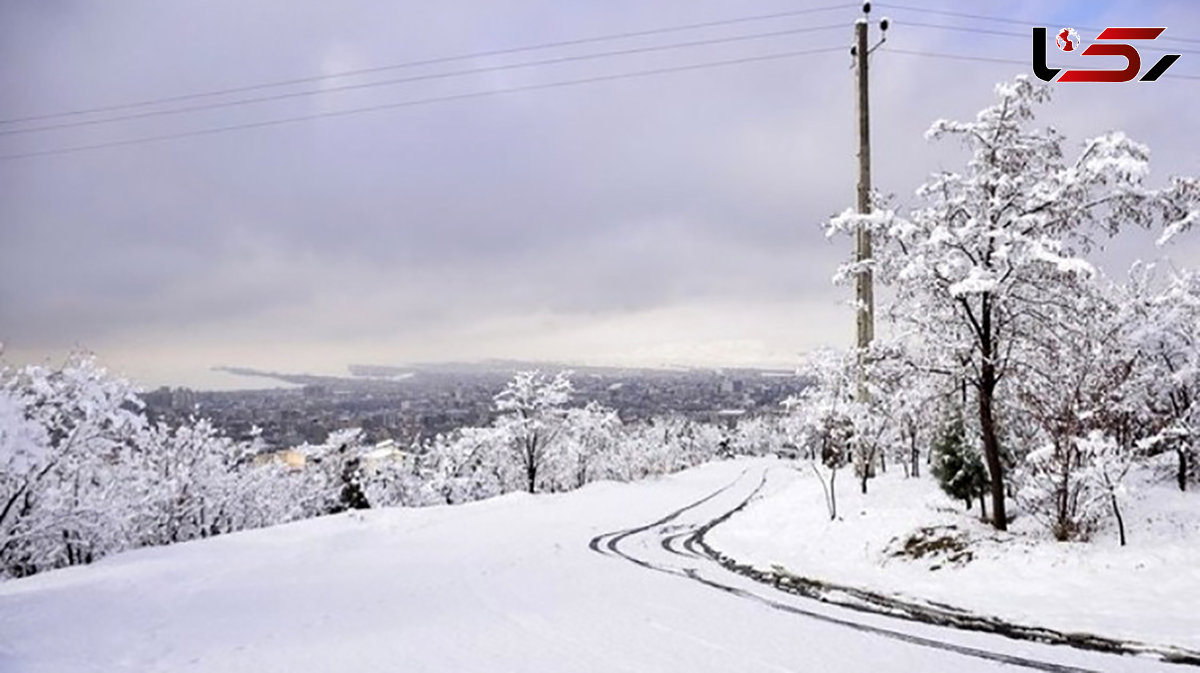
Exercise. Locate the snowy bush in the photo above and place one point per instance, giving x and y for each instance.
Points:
(67, 433)
(465, 465)
(83, 474)
(587, 450)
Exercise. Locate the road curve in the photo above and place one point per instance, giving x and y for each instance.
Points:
(673, 545)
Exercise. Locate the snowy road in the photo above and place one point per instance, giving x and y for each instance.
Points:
(604, 579)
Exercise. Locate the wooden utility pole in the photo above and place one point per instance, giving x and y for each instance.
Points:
(864, 282)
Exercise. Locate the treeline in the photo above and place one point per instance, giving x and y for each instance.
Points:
(84, 473)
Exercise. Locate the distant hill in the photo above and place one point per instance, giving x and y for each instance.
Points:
(361, 373)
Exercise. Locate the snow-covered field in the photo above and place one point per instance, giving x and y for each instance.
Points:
(1148, 590)
(516, 583)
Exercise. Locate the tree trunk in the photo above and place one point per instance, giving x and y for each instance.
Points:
(991, 454)
(1120, 521)
(1065, 524)
(830, 503)
(832, 495)
(1182, 474)
(987, 419)
(982, 507)
(916, 453)
(531, 462)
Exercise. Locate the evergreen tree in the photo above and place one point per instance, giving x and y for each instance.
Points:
(957, 466)
(352, 496)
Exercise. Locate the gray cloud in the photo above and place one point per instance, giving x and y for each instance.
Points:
(637, 213)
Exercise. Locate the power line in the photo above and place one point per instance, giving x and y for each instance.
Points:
(418, 78)
(999, 19)
(958, 57)
(962, 29)
(421, 101)
(429, 61)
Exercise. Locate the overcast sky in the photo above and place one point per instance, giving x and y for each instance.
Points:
(667, 219)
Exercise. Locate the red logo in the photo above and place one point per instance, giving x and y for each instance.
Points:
(1105, 45)
(1068, 39)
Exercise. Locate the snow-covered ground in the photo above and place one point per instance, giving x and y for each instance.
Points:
(1148, 590)
(517, 583)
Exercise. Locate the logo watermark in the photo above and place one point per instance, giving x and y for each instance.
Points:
(1105, 44)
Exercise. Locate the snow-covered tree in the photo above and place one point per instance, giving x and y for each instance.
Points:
(532, 409)
(970, 267)
(758, 435)
(467, 464)
(395, 479)
(644, 449)
(1072, 382)
(909, 396)
(66, 433)
(587, 449)
(1164, 326)
(826, 414)
(902, 394)
(190, 479)
(700, 443)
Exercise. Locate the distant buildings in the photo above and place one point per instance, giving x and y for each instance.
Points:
(425, 403)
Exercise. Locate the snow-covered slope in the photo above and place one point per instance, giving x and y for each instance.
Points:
(1146, 591)
(504, 585)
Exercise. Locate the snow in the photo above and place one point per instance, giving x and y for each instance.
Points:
(1175, 228)
(977, 281)
(508, 584)
(1066, 265)
(849, 220)
(1145, 591)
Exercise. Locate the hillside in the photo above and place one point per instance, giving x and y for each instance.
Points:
(507, 584)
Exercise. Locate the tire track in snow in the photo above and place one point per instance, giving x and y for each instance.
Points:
(671, 543)
(609, 544)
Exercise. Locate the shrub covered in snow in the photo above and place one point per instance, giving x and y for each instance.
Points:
(83, 473)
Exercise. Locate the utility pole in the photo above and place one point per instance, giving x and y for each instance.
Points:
(864, 281)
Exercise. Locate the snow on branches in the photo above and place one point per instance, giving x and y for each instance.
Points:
(532, 408)
(992, 292)
(70, 428)
(83, 473)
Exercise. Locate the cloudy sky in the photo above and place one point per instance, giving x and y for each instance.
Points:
(663, 219)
